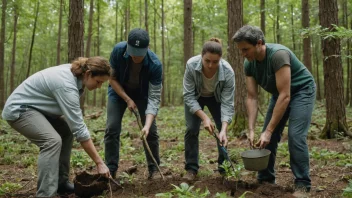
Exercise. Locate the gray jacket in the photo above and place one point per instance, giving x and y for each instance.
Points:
(224, 87)
(53, 92)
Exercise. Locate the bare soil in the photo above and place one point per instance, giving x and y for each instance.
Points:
(328, 180)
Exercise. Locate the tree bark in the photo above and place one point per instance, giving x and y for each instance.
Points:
(307, 51)
(187, 31)
(90, 28)
(333, 79)
(235, 22)
(58, 46)
(76, 35)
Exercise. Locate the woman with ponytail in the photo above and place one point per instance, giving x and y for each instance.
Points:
(45, 109)
(208, 81)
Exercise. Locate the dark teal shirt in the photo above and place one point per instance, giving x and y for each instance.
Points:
(264, 72)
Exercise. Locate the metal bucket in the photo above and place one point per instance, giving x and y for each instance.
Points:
(256, 160)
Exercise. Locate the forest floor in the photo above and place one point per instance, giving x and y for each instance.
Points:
(330, 164)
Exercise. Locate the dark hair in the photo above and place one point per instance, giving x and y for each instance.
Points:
(250, 34)
(98, 66)
(213, 46)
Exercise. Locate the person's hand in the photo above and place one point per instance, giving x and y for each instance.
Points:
(103, 170)
(145, 131)
(223, 138)
(131, 105)
(251, 138)
(208, 125)
(264, 139)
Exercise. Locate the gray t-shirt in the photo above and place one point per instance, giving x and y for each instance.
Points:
(280, 58)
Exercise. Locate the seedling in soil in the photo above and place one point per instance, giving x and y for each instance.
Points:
(232, 173)
(126, 177)
(7, 188)
(184, 191)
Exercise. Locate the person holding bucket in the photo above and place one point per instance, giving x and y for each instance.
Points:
(208, 81)
(278, 71)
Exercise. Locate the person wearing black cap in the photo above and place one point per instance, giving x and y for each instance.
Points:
(135, 84)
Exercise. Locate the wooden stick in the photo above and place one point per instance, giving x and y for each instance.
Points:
(135, 112)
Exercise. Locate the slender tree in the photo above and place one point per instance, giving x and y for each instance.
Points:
(146, 15)
(32, 42)
(116, 20)
(163, 51)
(307, 51)
(58, 46)
(262, 15)
(235, 22)
(333, 79)
(187, 31)
(13, 59)
(278, 36)
(2, 53)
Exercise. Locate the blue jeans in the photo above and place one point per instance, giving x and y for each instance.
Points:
(116, 110)
(192, 133)
(298, 113)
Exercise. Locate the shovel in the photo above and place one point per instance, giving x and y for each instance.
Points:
(136, 113)
(223, 150)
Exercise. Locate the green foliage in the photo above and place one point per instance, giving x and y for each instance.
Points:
(347, 192)
(184, 191)
(126, 178)
(8, 188)
(80, 159)
(325, 155)
(232, 173)
(221, 195)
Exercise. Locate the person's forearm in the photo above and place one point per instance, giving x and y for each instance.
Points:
(119, 89)
(89, 147)
(252, 110)
(200, 113)
(224, 126)
(149, 120)
(279, 110)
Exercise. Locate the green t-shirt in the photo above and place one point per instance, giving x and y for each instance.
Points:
(276, 57)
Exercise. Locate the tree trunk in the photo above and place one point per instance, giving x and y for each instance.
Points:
(32, 42)
(333, 79)
(127, 18)
(278, 36)
(350, 62)
(76, 35)
(163, 51)
(58, 46)
(187, 31)
(116, 21)
(154, 30)
(345, 24)
(235, 22)
(317, 52)
(140, 13)
(90, 28)
(13, 62)
(307, 51)
(293, 30)
(146, 15)
(262, 15)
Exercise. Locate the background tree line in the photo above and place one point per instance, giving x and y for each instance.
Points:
(38, 34)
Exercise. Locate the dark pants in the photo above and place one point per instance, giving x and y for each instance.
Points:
(116, 110)
(192, 133)
(54, 138)
(298, 113)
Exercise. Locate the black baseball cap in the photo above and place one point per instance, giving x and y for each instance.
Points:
(138, 42)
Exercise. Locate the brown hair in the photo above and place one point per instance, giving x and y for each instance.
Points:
(98, 66)
(213, 46)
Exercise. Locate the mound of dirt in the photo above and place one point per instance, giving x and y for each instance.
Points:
(87, 185)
